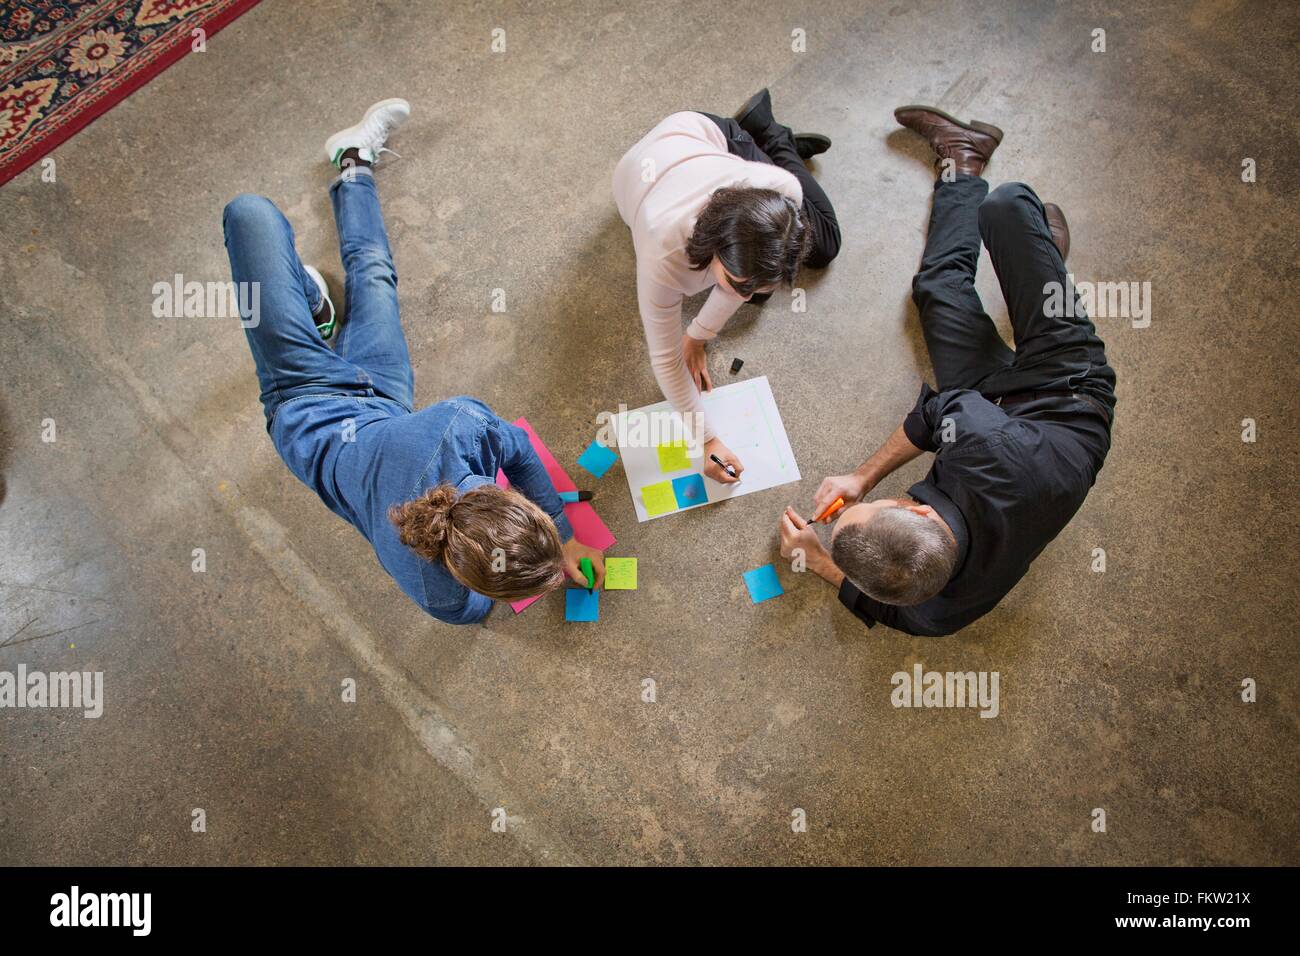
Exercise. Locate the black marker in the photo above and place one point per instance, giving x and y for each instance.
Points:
(725, 467)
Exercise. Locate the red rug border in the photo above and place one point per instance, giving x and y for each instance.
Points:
(222, 19)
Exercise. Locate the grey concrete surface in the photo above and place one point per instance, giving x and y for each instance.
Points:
(1120, 690)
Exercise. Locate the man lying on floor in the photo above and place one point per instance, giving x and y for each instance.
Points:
(421, 486)
(1018, 436)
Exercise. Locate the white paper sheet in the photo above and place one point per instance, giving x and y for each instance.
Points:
(745, 417)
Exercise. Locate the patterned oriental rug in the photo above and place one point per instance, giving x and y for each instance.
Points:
(64, 62)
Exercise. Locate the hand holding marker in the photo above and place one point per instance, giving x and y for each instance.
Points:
(725, 467)
(584, 565)
(830, 510)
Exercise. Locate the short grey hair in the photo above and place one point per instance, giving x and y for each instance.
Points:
(897, 556)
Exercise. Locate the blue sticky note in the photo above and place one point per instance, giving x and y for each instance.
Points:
(597, 459)
(689, 490)
(763, 583)
(579, 605)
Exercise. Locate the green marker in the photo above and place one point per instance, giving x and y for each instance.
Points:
(584, 565)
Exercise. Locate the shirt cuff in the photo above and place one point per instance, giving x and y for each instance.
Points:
(562, 525)
(849, 595)
(915, 426)
(704, 433)
(699, 332)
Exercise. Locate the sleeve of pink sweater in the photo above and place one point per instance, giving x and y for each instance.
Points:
(661, 314)
(718, 307)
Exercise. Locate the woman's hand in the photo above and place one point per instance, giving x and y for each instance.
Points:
(715, 471)
(696, 363)
(575, 551)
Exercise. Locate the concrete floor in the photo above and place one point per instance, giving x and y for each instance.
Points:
(1119, 690)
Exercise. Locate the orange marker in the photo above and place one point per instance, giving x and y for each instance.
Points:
(831, 508)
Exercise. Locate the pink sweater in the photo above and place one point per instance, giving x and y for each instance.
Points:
(660, 186)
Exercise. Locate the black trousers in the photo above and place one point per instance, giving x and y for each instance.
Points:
(774, 144)
(1058, 353)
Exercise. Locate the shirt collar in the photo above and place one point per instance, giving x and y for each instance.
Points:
(470, 482)
(929, 494)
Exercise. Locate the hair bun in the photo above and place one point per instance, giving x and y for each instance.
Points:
(424, 524)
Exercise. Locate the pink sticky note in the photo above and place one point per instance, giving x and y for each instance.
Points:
(518, 606)
(587, 526)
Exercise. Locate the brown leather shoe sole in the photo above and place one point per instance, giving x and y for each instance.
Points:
(988, 129)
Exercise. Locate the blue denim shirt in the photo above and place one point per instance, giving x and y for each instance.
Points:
(362, 455)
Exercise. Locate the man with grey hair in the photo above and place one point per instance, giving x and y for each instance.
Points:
(1018, 436)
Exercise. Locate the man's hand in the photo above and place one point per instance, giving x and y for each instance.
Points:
(713, 470)
(696, 363)
(575, 551)
(850, 487)
(796, 533)
(897, 451)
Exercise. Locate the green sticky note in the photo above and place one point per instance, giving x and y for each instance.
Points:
(673, 457)
(620, 574)
(659, 498)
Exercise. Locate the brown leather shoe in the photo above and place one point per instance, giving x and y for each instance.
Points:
(1060, 228)
(968, 145)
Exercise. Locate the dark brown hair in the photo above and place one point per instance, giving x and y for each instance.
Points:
(897, 556)
(759, 236)
(493, 540)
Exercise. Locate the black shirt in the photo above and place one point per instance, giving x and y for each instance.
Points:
(1006, 481)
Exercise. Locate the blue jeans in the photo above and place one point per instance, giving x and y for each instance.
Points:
(342, 418)
(370, 357)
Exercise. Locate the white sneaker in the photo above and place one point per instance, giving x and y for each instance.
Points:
(368, 136)
(326, 329)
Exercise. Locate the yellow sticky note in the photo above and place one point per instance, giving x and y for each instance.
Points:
(659, 498)
(620, 574)
(673, 457)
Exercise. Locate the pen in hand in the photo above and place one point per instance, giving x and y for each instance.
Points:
(725, 467)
